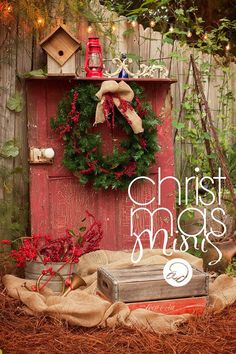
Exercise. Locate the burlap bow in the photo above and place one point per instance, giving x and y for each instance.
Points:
(120, 93)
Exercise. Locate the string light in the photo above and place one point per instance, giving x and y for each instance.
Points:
(171, 29)
(133, 23)
(152, 23)
(205, 36)
(227, 47)
(189, 33)
(9, 8)
(40, 21)
(89, 29)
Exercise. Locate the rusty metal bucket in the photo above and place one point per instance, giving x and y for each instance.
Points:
(33, 270)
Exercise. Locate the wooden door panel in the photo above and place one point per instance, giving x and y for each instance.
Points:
(106, 213)
(57, 199)
(39, 206)
(68, 202)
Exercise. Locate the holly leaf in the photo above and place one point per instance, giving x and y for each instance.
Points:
(15, 102)
(9, 149)
(114, 165)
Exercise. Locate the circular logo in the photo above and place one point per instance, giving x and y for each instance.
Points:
(177, 272)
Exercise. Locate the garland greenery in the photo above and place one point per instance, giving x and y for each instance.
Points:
(83, 148)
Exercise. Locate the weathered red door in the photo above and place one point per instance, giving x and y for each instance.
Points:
(58, 201)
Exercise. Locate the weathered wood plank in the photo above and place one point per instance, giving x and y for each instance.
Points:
(23, 65)
(122, 46)
(7, 89)
(145, 44)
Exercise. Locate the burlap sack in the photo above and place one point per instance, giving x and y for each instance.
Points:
(84, 308)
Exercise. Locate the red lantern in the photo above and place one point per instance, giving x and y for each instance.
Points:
(93, 58)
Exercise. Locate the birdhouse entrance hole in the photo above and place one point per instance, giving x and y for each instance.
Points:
(61, 53)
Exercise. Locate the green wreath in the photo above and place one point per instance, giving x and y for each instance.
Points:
(83, 148)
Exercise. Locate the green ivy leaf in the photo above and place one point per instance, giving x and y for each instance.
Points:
(15, 102)
(168, 40)
(212, 156)
(206, 136)
(9, 149)
(188, 215)
(178, 125)
(187, 105)
(37, 73)
(16, 170)
(34, 73)
(133, 56)
(179, 12)
(128, 32)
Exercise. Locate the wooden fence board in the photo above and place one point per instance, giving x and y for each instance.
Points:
(145, 43)
(121, 41)
(7, 117)
(155, 45)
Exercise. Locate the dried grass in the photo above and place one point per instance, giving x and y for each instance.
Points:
(22, 334)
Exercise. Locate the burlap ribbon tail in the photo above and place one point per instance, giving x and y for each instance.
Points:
(118, 91)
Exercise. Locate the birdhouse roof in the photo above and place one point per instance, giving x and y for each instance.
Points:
(60, 44)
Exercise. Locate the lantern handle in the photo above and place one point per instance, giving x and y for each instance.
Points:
(86, 56)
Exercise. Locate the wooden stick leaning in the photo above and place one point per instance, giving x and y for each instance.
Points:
(209, 121)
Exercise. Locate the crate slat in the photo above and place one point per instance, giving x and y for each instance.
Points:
(146, 283)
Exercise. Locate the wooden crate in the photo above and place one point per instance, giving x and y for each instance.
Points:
(192, 305)
(144, 283)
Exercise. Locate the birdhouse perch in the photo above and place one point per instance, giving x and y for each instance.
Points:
(60, 46)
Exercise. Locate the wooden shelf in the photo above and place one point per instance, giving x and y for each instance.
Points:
(63, 77)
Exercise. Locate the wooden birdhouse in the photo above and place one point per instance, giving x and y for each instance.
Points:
(61, 46)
